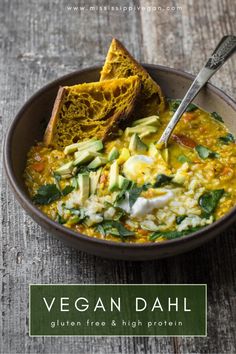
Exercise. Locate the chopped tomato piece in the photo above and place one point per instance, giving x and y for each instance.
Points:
(38, 166)
(184, 140)
(189, 116)
(227, 170)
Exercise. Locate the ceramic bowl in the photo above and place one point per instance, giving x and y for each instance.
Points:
(29, 125)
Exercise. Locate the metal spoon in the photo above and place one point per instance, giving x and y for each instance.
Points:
(225, 48)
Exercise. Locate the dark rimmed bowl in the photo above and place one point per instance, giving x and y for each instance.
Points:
(29, 124)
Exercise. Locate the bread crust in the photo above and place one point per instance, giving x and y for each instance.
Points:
(112, 120)
(49, 132)
(122, 117)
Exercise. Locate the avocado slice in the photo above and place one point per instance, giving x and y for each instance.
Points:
(74, 182)
(113, 154)
(84, 186)
(136, 144)
(94, 146)
(74, 147)
(153, 151)
(84, 156)
(94, 177)
(157, 154)
(124, 156)
(97, 162)
(152, 120)
(65, 169)
(123, 182)
(141, 130)
(114, 176)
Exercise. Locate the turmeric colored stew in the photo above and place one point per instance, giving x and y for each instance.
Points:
(129, 190)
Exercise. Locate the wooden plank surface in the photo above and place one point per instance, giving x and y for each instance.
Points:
(41, 40)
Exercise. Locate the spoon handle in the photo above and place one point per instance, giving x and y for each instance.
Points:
(225, 48)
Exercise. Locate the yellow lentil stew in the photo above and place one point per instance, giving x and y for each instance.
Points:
(129, 190)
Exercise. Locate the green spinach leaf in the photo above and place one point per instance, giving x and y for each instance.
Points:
(121, 195)
(216, 116)
(174, 104)
(120, 213)
(99, 228)
(77, 215)
(83, 169)
(208, 201)
(48, 193)
(67, 190)
(115, 228)
(161, 180)
(135, 192)
(173, 234)
(205, 153)
(228, 138)
(60, 219)
(180, 218)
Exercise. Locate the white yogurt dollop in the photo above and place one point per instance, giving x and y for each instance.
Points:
(143, 206)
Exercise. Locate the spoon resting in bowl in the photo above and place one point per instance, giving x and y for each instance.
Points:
(225, 48)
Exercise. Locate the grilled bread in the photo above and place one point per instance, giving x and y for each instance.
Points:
(119, 63)
(90, 110)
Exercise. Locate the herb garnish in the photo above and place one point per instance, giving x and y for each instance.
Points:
(135, 192)
(161, 180)
(121, 195)
(228, 138)
(174, 104)
(180, 218)
(120, 213)
(48, 193)
(60, 219)
(83, 169)
(173, 234)
(114, 228)
(216, 116)
(208, 201)
(99, 228)
(67, 190)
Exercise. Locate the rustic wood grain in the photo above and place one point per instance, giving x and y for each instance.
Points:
(41, 40)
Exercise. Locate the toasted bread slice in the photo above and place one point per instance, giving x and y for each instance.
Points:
(120, 63)
(90, 110)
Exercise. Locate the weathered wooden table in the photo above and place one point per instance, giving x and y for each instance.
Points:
(41, 40)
